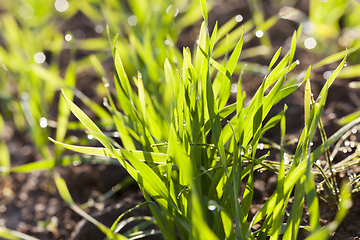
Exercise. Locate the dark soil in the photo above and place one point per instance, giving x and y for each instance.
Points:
(29, 202)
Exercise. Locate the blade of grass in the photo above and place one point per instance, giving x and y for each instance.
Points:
(63, 161)
(14, 235)
(150, 157)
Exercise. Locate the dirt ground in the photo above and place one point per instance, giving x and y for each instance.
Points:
(29, 202)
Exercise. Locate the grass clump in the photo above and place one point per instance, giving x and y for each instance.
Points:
(191, 163)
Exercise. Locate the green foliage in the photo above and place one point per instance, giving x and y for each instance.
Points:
(187, 148)
(196, 183)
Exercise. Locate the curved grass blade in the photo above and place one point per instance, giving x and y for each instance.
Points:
(14, 235)
(150, 157)
(64, 161)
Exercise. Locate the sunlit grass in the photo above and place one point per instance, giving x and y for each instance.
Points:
(169, 108)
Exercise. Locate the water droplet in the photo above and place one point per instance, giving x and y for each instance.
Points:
(287, 12)
(68, 37)
(346, 143)
(344, 150)
(347, 204)
(345, 64)
(234, 87)
(156, 8)
(116, 134)
(76, 163)
(327, 74)
(43, 122)
(354, 130)
(99, 29)
(107, 85)
(90, 136)
(310, 43)
(2, 208)
(264, 69)
(311, 144)
(168, 9)
(342, 168)
(167, 42)
(334, 170)
(318, 162)
(352, 144)
(39, 57)
(211, 207)
(259, 33)
(61, 5)
(351, 178)
(344, 41)
(297, 62)
(184, 123)
(239, 18)
(132, 20)
(198, 41)
(331, 159)
(286, 159)
(176, 12)
(26, 11)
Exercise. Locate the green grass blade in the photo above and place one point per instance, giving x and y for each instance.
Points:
(279, 208)
(311, 198)
(63, 161)
(63, 110)
(141, 93)
(349, 118)
(274, 59)
(5, 163)
(350, 72)
(204, 10)
(58, 82)
(214, 37)
(4, 159)
(150, 157)
(336, 57)
(14, 235)
(200, 230)
(230, 66)
(293, 223)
